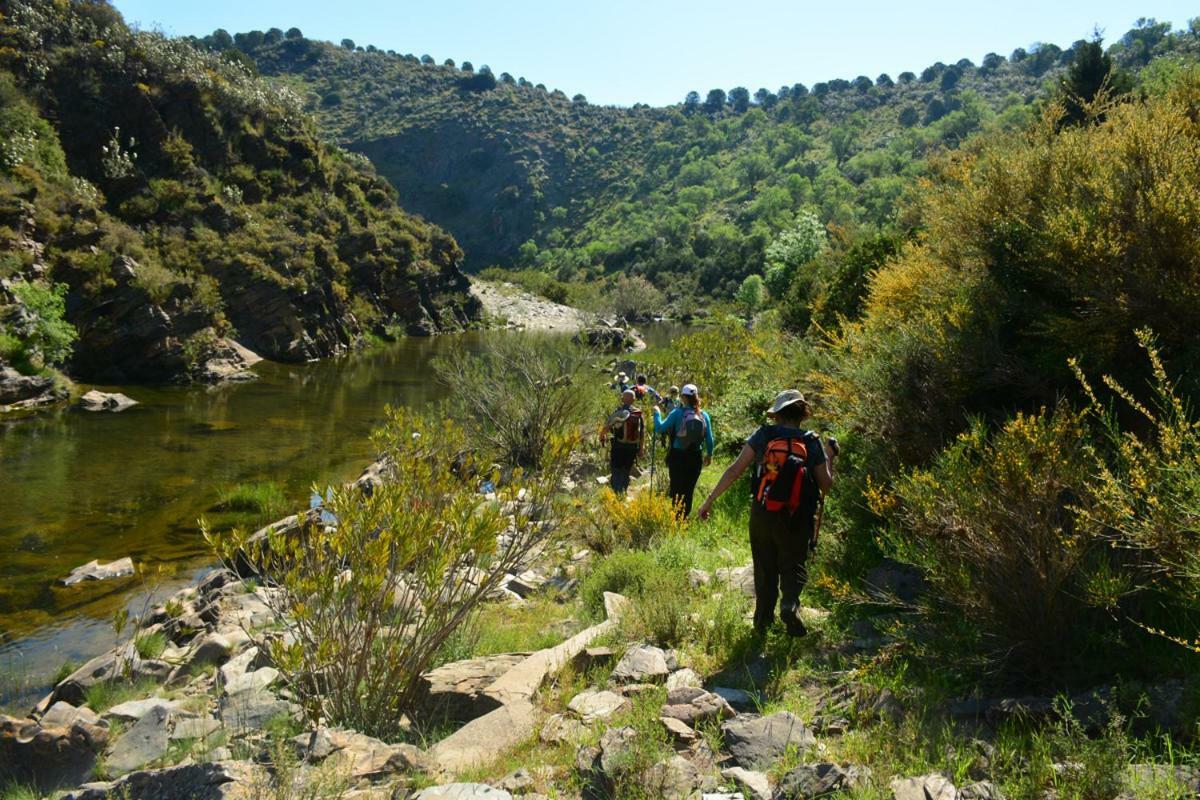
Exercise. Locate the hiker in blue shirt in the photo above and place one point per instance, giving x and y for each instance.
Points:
(690, 429)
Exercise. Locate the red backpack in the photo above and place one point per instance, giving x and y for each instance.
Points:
(783, 474)
(630, 430)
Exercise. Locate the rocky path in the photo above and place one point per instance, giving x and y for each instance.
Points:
(513, 307)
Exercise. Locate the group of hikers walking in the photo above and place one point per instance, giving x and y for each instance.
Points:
(792, 472)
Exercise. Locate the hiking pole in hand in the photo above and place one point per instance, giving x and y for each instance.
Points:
(812, 545)
(653, 452)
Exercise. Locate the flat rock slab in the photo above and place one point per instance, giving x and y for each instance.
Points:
(195, 728)
(96, 571)
(592, 705)
(693, 706)
(818, 780)
(760, 741)
(224, 781)
(134, 710)
(255, 681)
(685, 677)
(641, 664)
(462, 791)
(64, 715)
(142, 744)
(249, 711)
(561, 728)
(457, 689)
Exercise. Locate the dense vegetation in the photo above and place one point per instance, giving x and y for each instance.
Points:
(175, 200)
(690, 196)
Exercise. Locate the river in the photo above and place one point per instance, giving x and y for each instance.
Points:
(78, 485)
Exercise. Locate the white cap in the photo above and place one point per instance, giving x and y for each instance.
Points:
(689, 390)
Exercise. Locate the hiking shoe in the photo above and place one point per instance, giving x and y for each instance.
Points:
(795, 628)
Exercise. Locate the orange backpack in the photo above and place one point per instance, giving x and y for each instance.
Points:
(782, 475)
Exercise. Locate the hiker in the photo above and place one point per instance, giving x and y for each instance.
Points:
(620, 382)
(690, 429)
(669, 404)
(793, 470)
(642, 389)
(627, 429)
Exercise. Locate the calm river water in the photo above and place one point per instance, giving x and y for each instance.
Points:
(75, 486)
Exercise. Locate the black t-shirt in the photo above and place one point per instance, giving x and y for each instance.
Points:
(759, 440)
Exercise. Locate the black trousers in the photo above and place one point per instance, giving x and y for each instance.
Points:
(620, 462)
(684, 467)
(779, 548)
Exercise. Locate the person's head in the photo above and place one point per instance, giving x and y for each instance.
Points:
(641, 379)
(627, 397)
(673, 392)
(789, 408)
(622, 377)
(691, 395)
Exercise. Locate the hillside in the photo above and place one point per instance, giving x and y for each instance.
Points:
(178, 202)
(688, 196)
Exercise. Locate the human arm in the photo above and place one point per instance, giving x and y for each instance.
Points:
(732, 473)
(708, 439)
(667, 424)
(823, 472)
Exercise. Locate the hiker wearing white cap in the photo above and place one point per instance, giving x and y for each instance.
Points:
(793, 469)
(627, 429)
(690, 429)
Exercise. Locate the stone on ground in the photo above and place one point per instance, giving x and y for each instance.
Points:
(925, 787)
(592, 705)
(251, 710)
(561, 728)
(986, 790)
(682, 678)
(142, 744)
(615, 746)
(676, 778)
(228, 780)
(817, 780)
(641, 664)
(678, 730)
(134, 710)
(693, 706)
(739, 699)
(64, 715)
(105, 401)
(755, 785)
(760, 741)
(457, 690)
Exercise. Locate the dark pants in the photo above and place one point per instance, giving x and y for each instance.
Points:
(620, 462)
(684, 467)
(779, 547)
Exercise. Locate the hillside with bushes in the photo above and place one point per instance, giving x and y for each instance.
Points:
(688, 196)
(157, 202)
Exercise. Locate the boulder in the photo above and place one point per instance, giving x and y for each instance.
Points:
(462, 791)
(693, 706)
(134, 710)
(357, 755)
(64, 715)
(257, 680)
(142, 744)
(615, 747)
(755, 785)
(104, 401)
(986, 790)
(561, 728)
(675, 778)
(1178, 780)
(641, 664)
(251, 710)
(592, 705)
(892, 581)
(817, 780)
(739, 699)
(741, 578)
(685, 677)
(210, 781)
(926, 787)
(458, 690)
(73, 688)
(678, 730)
(228, 362)
(17, 388)
(194, 728)
(760, 741)
(96, 571)
(61, 755)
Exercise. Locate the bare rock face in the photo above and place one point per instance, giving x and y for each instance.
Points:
(228, 779)
(23, 390)
(228, 362)
(51, 755)
(457, 689)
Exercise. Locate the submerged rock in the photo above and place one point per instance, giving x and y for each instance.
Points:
(96, 571)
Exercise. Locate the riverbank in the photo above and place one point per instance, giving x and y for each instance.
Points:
(506, 305)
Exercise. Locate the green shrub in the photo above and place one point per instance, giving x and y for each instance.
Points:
(618, 522)
(370, 600)
(49, 336)
(150, 645)
(624, 572)
(266, 499)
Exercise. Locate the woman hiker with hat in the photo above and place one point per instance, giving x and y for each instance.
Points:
(791, 466)
(690, 429)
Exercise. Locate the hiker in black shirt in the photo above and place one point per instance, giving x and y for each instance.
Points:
(781, 520)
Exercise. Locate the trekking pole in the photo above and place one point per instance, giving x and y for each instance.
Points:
(653, 456)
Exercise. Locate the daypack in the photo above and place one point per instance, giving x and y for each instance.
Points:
(628, 426)
(692, 428)
(783, 475)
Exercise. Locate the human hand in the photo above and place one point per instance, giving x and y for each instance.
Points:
(705, 509)
(707, 460)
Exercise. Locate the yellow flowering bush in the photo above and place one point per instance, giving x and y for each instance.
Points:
(636, 522)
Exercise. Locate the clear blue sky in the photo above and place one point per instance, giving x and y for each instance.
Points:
(655, 51)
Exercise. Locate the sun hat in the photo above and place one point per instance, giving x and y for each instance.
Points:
(784, 399)
(673, 390)
(621, 376)
(689, 390)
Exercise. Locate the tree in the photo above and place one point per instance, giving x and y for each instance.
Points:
(909, 116)
(44, 327)
(294, 33)
(750, 294)
(739, 99)
(820, 89)
(799, 90)
(427, 60)
(932, 72)
(449, 62)
(467, 66)
(273, 36)
(251, 40)
(506, 77)
(991, 63)
(906, 78)
(634, 298)
(862, 84)
(691, 103)
(950, 78)
(1018, 55)
(792, 249)
(579, 99)
(348, 44)
(714, 103)
(220, 40)
(885, 81)
(1089, 74)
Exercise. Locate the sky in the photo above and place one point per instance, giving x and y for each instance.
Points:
(622, 52)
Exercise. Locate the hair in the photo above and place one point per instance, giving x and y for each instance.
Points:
(641, 378)
(795, 413)
(692, 399)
